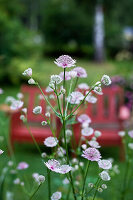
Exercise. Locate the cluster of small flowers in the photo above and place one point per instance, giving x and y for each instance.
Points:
(28, 72)
(51, 141)
(17, 181)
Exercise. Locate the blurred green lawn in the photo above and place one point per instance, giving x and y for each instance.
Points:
(28, 153)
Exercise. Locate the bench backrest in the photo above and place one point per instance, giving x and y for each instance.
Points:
(106, 110)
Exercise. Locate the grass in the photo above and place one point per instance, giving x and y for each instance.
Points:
(25, 152)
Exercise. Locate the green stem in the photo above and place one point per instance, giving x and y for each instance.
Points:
(49, 184)
(96, 189)
(70, 90)
(35, 192)
(86, 172)
(64, 86)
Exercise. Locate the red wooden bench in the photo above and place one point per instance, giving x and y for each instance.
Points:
(18, 131)
(105, 117)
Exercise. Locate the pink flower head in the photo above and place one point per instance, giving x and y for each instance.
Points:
(50, 141)
(56, 196)
(64, 169)
(1, 151)
(81, 72)
(105, 164)
(87, 131)
(92, 154)
(84, 119)
(53, 165)
(67, 76)
(130, 133)
(22, 165)
(75, 97)
(94, 144)
(90, 98)
(27, 72)
(83, 86)
(65, 61)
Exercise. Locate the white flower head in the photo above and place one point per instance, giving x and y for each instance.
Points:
(64, 169)
(37, 110)
(27, 72)
(68, 132)
(73, 74)
(16, 104)
(97, 133)
(56, 196)
(65, 181)
(75, 97)
(1, 91)
(60, 152)
(121, 133)
(47, 114)
(87, 131)
(98, 90)
(22, 165)
(24, 110)
(130, 146)
(9, 100)
(106, 80)
(44, 123)
(1, 151)
(20, 95)
(94, 144)
(84, 146)
(105, 164)
(51, 141)
(31, 81)
(83, 86)
(90, 98)
(105, 176)
(56, 79)
(16, 181)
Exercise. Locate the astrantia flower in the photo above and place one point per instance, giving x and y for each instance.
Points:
(44, 123)
(22, 165)
(1, 151)
(106, 80)
(16, 181)
(121, 133)
(65, 181)
(60, 152)
(9, 100)
(16, 104)
(130, 145)
(64, 169)
(51, 141)
(87, 131)
(94, 144)
(65, 61)
(130, 133)
(91, 99)
(27, 72)
(98, 90)
(53, 165)
(48, 89)
(24, 110)
(67, 76)
(97, 133)
(83, 86)
(84, 146)
(31, 81)
(20, 95)
(56, 196)
(75, 97)
(105, 164)
(55, 79)
(1, 91)
(104, 186)
(73, 74)
(105, 176)
(37, 110)
(91, 154)
(81, 72)
(84, 119)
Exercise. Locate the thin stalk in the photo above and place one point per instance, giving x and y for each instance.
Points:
(70, 90)
(64, 86)
(37, 146)
(58, 101)
(34, 192)
(47, 100)
(86, 172)
(96, 189)
(68, 193)
(49, 184)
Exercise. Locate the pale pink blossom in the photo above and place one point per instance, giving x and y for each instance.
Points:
(84, 119)
(91, 154)
(51, 141)
(130, 133)
(22, 165)
(20, 95)
(105, 164)
(65, 61)
(16, 104)
(87, 131)
(81, 72)
(75, 97)
(90, 98)
(84, 146)
(56, 196)
(94, 144)
(73, 74)
(53, 165)
(55, 79)
(27, 72)
(1, 91)
(64, 169)
(97, 133)
(48, 90)
(67, 76)
(83, 86)
(1, 151)
(105, 176)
